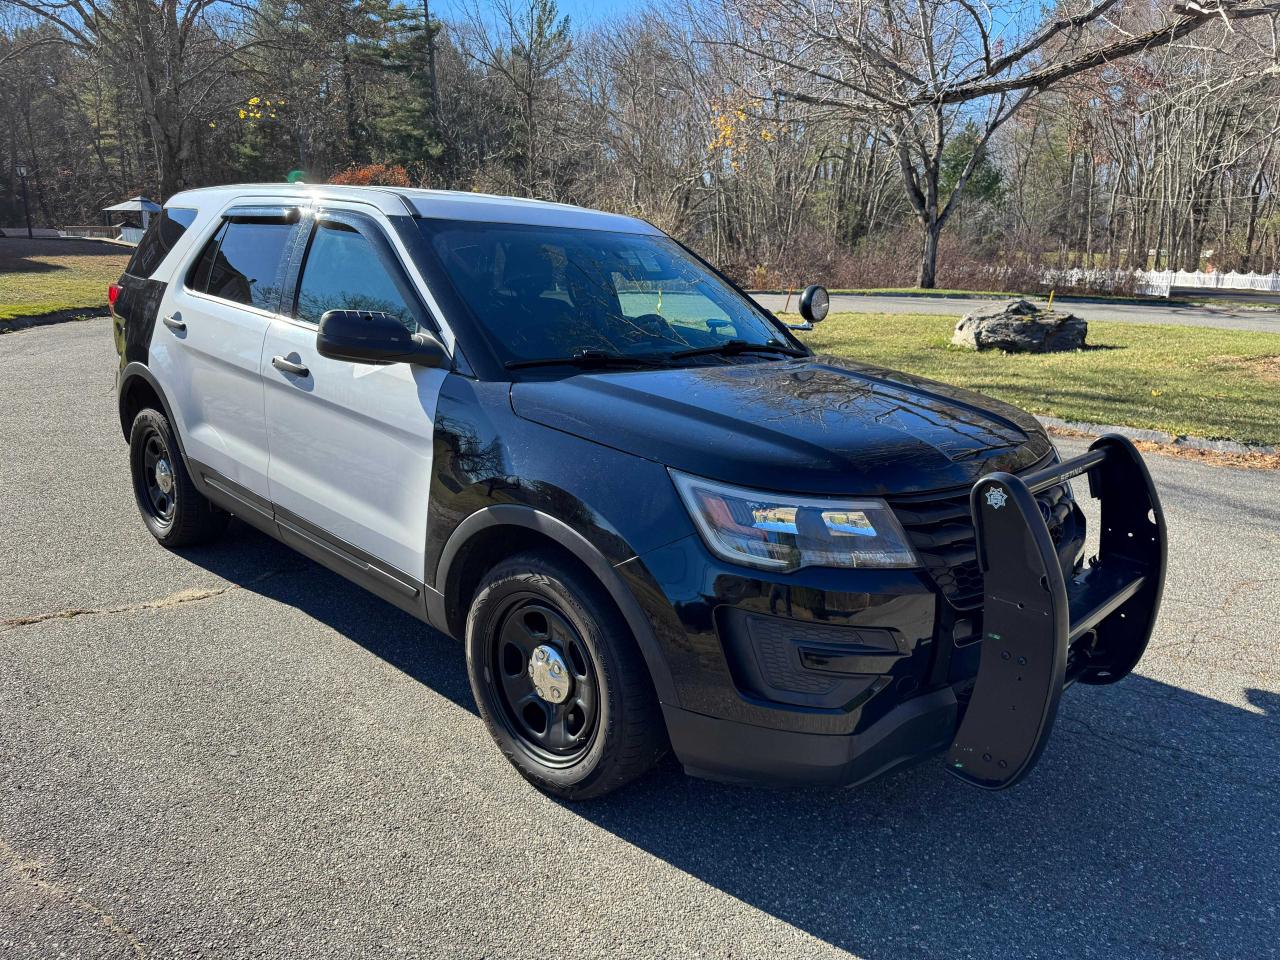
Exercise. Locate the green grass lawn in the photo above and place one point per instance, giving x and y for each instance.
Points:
(1184, 380)
(48, 276)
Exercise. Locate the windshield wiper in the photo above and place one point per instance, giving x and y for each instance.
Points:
(731, 348)
(589, 358)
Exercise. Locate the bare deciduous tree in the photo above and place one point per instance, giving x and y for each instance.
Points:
(170, 49)
(789, 140)
(924, 68)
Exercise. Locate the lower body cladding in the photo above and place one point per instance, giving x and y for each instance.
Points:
(834, 677)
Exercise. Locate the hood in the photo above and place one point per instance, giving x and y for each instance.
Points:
(813, 425)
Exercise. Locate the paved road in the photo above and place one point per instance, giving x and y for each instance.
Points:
(231, 752)
(1225, 316)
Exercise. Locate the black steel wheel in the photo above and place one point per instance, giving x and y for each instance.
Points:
(175, 512)
(157, 476)
(559, 680)
(546, 681)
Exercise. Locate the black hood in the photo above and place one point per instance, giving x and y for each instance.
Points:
(814, 425)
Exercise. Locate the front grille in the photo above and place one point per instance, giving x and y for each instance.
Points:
(940, 528)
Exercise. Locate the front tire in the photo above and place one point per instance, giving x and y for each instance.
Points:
(175, 512)
(559, 680)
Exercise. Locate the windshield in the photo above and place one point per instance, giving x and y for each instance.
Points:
(542, 293)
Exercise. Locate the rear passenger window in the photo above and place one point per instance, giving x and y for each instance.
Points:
(165, 230)
(198, 278)
(343, 272)
(242, 263)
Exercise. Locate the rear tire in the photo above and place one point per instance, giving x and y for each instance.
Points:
(585, 720)
(175, 512)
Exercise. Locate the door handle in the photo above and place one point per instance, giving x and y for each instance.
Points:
(288, 366)
(175, 324)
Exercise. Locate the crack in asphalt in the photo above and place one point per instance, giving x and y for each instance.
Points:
(1241, 587)
(172, 600)
(29, 870)
(1084, 731)
(1151, 749)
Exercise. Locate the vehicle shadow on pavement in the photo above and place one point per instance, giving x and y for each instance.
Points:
(255, 562)
(1150, 828)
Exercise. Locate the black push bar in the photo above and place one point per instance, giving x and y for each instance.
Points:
(1043, 630)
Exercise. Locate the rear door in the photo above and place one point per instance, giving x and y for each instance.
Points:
(351, 444)
(207, 348)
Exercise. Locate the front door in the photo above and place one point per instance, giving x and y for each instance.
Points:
(351, 444)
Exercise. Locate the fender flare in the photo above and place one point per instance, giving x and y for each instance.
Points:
(136, 370)
(530, 518)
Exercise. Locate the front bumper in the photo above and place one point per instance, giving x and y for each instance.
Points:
(720, 749)
(835, 677)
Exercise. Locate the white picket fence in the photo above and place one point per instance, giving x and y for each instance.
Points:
(1161, 283)
(1094, 280)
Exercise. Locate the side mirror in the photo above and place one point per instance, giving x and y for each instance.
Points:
(371, 336)
(814, 303)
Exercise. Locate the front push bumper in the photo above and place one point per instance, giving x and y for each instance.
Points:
(1042, 631)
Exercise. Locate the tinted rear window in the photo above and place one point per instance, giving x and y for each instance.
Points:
(165, 229)
(242, 263)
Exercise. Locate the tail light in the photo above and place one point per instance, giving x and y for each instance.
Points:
(113, 294)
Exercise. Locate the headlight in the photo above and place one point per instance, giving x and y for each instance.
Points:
(782, 532)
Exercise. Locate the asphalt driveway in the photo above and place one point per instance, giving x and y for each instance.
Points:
(1228, 315)
(232, 752)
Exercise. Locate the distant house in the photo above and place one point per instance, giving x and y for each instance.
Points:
(136, 215)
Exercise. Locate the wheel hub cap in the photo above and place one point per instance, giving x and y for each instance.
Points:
(550, 675)
(164, 476)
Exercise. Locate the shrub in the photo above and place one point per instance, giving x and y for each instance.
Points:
(373, 175)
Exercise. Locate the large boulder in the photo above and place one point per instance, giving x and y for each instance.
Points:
(1019, 326)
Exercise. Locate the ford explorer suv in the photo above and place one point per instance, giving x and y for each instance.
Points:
(654, 518)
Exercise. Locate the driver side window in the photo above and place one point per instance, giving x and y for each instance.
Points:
(342, 272)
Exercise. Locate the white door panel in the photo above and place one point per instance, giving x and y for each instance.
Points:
(351, 446)
(207, 347)
(210, 371)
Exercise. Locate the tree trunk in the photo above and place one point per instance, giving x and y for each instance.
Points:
(927, 278)
(355, 147)
(167, 136)
(431, 64)
(1251, 232)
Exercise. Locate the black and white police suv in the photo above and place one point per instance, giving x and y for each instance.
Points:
(655, 518)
